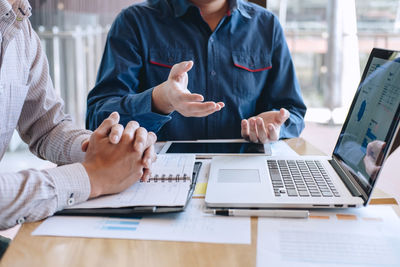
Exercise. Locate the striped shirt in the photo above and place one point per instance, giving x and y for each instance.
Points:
(29, 104)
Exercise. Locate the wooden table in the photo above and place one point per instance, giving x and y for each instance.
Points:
(29, 251)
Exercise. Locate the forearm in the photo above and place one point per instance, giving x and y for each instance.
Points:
(137, 107)
(62, 144)
(33, 195)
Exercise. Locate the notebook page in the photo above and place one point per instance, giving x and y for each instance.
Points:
(173, 165)
(160, 193)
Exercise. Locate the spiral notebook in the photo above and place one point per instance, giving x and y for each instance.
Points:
(169, 188)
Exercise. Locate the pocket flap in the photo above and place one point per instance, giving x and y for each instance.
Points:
(252, 63)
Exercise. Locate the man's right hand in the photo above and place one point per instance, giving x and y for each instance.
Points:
(113, 168)
(173, 95)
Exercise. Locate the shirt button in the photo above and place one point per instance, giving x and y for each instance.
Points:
(213, 73)
(71, 201)
(211, 40)
(1, 89)
(21, 220)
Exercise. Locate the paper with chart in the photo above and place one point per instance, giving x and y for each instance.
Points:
(191, 225)
(169, 192)
(357, 237)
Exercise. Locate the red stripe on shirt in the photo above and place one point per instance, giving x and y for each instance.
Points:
(160, 64)
(256, 70)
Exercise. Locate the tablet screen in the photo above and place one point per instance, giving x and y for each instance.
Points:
(216, 148)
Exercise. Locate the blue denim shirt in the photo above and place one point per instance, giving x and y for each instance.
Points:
(245, 63)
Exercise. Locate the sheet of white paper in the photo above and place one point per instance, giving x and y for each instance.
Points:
(142, 194)
(281, 148)
(161, 193)
(192, 225)
(357, 237)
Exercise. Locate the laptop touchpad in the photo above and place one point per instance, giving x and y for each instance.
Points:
(238, 176)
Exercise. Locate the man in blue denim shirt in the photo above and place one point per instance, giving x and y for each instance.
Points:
(164, 58)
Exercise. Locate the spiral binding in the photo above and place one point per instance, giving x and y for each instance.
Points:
(169, 178)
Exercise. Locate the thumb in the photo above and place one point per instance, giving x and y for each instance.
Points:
(283, 115)
(180, 68)
(85, 145)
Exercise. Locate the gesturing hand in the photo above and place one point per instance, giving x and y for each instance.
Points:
(173, 95)
(265, 126)
(114, 167)
(373, 157)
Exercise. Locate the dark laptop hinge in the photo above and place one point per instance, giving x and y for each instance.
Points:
(348, 180)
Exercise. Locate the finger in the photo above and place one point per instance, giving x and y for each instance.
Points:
(148, 157)
(179, 69)
(261, 130)
(245, 129)
(105, 127)
(195, 109)
(151, 139)
(85, 145)
(253, 131)
(221, 104)
(129, 132)
(140, 140)
(283, 116)
(272, 132)
(146, 175)
(187, 97)
(116, 133)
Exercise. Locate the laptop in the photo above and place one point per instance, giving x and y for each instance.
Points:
(345, 179)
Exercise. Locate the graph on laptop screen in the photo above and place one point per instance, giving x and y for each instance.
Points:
(363, 142)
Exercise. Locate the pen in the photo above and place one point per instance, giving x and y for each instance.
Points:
(262, 213)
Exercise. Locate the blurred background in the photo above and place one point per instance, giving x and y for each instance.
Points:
(330, 41)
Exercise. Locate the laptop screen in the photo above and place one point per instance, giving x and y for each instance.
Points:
(371, 124)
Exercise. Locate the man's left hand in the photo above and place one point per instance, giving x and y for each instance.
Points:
(264, 127)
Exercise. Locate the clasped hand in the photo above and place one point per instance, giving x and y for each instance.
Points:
(116, 157)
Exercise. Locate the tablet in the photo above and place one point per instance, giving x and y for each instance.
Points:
(220, 147)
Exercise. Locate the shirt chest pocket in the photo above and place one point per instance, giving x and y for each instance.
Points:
(250, 73)
(161, 61)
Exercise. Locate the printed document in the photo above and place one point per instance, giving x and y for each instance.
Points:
(357, 237)
(192, 225)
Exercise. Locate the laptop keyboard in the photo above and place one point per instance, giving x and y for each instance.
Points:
(302, 178)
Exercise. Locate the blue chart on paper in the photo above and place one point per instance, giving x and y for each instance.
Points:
(120, 224)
